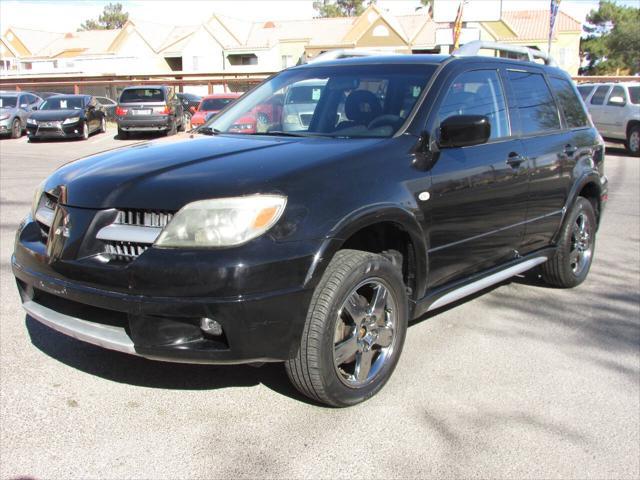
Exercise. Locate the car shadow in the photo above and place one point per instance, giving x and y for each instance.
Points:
(129, 369)
(617, 150)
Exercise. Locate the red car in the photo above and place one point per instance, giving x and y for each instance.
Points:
(210, 105)
(263, 114)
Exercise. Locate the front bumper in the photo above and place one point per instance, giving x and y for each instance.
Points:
(71, 130)
(5, 126)
(146, 123)
(153, 306)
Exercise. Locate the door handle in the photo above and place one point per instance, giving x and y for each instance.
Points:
(570, 149)
(514, 160)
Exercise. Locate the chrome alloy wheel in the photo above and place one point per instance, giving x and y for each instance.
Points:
(581, 244)
(85, 131)
(365, 333)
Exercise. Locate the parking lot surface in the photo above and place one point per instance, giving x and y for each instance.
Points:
(522, 381)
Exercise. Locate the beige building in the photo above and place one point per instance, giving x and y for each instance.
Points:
(222, 44)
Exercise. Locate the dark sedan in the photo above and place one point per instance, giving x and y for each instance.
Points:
(67, 116)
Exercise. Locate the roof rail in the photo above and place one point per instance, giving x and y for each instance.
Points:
(472, 48)
(342, 53)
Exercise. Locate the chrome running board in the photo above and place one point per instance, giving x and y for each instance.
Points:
(485, 282)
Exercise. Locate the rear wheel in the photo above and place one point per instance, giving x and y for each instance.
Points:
(571, 263)
(16, 128)
(633, 141)
(122, 135)
(354, 332)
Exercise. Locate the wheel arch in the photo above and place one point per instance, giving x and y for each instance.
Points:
(589, 187)
(380, 229)
(630, 124)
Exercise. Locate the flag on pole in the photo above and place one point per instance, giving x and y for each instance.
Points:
(457, 26)
(555, 6)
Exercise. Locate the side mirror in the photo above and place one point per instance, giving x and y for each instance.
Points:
(464, 131)
(617, 100)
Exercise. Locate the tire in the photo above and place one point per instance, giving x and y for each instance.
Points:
(122, 135)
(633, 141)
(103, 125)
(570, 264)
(85, 131)
(16, 128)
(342, 335)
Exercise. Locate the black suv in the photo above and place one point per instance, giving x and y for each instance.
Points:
(417, 181)
(150, 108)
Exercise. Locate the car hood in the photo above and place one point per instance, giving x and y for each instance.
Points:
(50, 115)
(166, 175)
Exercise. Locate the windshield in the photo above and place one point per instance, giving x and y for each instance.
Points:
(214, 104)
(8, 102)
(142, 95)
(346, 101)
(634, 95)
(62, 103)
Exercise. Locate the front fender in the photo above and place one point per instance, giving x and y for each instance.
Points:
(363, 218)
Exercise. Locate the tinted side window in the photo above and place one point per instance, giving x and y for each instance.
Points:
(598, 97)
(585, 91)
(477, 93)
(569, 103)
(538, 112)
(617, 91)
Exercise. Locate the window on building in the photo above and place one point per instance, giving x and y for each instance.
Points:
(538, 111)
(287, 61)
(242, 59)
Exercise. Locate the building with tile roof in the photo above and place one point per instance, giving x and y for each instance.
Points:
(222, 43)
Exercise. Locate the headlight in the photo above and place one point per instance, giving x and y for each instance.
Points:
(71, 120)
(35, 203)
(32, 121)
(223, 222)
(4, 116)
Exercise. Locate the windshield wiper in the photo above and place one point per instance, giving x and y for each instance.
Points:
(208, 131)
(280, 133)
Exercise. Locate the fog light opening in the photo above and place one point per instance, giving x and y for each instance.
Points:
(210, 326)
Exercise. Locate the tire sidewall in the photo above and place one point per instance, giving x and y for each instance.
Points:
(382, 270)
(636, 152)
(582, 205)
(85, 131)
(16, 132)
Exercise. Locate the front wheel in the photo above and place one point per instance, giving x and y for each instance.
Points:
(354, 331)
(122, 134)
(103, 125)
(633, 141)
(16, 128)
(85, 131)
(571, 263)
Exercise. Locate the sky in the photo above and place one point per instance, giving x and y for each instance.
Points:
(67, 15)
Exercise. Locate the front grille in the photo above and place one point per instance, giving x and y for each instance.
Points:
(125, 251)
(45, 212)
(143, 218)
(126, 244)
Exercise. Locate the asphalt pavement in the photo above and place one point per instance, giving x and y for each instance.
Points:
(522, 381)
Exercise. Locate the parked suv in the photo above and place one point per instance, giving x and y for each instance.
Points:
(447, 174)
(150, 108)
(615, 111)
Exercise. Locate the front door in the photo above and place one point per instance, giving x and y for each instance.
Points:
(478, 196)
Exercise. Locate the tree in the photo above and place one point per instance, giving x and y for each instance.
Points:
(612, 44)
(112, 17)
(426, 5)
(341, 8)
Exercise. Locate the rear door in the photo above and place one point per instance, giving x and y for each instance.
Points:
(551, 149)
(478, 193)
(596, 107)
(613, 113)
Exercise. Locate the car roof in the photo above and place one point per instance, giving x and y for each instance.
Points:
(163, 87)
(68, 95)
(9, 93)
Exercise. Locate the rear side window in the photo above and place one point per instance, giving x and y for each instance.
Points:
(569, 103)
(598, 97)
(538, 112)
(634, 95)
(477, 93)
(142, 95)
(585, 90)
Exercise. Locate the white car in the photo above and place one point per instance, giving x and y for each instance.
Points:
(615, 111)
